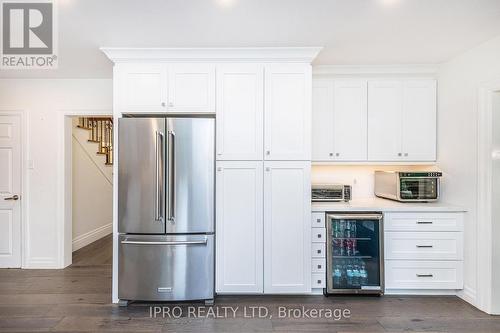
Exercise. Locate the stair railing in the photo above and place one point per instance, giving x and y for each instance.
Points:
(101, 132)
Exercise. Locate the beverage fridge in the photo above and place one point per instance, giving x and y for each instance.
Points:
(166, 211)
(354, 253)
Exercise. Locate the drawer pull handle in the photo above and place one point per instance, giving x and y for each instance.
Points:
(424, 222)
(425, 246)
(424, 275)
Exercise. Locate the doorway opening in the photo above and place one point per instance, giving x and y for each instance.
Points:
(91, 144)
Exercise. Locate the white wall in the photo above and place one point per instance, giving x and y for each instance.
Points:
(44, 102)
(496, 208)
(92, 188)
(458, 84)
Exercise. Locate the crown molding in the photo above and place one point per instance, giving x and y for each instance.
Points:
(428, 69)
(246, 54)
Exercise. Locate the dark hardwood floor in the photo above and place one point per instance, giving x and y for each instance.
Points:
(77, 299)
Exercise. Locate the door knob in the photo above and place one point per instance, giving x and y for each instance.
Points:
(14, 197)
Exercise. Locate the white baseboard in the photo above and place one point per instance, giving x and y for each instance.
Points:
(92, 236)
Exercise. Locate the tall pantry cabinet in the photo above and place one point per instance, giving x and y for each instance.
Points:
(263, 115)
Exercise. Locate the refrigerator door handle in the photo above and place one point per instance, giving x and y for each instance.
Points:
(171, 177)
(202, 242)
(159, 176)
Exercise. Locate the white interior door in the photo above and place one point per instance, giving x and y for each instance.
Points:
(10, 191)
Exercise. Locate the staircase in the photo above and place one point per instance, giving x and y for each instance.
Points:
(101, 132)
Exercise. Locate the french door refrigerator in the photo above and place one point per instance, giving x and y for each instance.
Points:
(355, 263)
(166, 208)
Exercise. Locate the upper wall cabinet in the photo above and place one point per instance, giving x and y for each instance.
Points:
(402, 120)
(339, 120)
(164, 88)
(140, 87)
(287, 112)
(191, 88)
(240, 111)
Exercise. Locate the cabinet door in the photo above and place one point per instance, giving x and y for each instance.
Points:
(350, 120)
(384, 120)
(419, 120)
(140, 87)
(287, 227)
(239, 218)
(322, 121)
(287, 112)
(240, 112)
(191, 88)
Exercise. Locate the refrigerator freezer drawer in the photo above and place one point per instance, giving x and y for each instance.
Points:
(166, 268)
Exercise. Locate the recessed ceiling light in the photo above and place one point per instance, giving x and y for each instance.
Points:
(389, 2)
(225, 3)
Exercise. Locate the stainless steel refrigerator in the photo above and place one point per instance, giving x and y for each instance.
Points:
(166, 208)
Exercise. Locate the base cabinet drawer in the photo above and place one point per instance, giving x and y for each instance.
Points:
(423, 274)
(423, 222)
(318, 220)
(318, 250)
(318, 235)
(318, 265)
(318, 280)
(424, 245)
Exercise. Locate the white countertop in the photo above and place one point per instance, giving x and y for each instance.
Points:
(385, 205)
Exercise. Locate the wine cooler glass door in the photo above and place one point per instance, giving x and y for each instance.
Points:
(354, 253)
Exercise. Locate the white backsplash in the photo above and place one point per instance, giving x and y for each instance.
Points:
(360, 177)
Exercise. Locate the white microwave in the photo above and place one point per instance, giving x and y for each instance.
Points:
(408, 186)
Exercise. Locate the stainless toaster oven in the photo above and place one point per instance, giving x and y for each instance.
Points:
(330, 192)
(408, 186)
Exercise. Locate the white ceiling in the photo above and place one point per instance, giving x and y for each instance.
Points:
(351, 31)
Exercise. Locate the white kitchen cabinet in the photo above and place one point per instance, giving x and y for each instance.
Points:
(350, 120)
(384, 120)
(239, 218)
(140, 87)
(322, 121)
(150, 88)
(419, 120)
(191, 88)
(287, 227)
(402, 120)
(287, 112)
(240, 111)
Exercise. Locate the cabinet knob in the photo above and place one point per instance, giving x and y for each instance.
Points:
(318, 282)
(318, 220)
(319, 235)
(163, 104)
(406, 154)
(337, 154)
(319, 251)
(319, 266)
(268, 169)
(268, 152)
(399, 154)
(331, 154)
